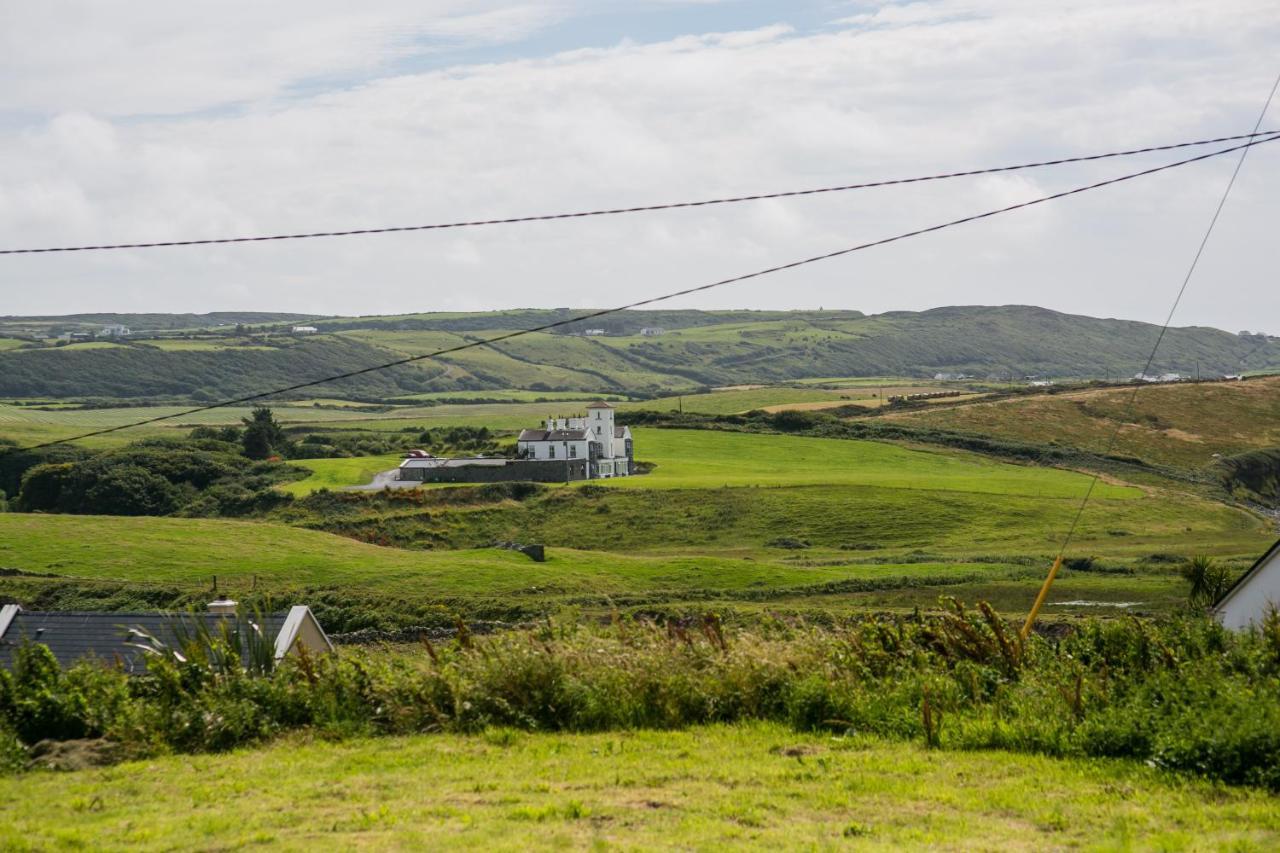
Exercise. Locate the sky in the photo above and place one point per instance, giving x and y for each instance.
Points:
(153, 121)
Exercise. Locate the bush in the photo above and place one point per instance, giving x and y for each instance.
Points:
(1182, 694)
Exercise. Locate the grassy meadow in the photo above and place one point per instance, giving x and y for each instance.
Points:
(1182, 425)
(712, 787)
(705, 459)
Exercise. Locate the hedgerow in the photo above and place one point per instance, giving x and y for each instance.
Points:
(1182, 694)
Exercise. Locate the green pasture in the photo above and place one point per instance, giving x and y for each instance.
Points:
(11, 343)
(729, 786)
(289, 562)
(94, 345)
(29, 425)
(339, 473)
(703, 459)
(513, 395)
(192, 551)
(839, 522)
(688, 459)
(199, 345)
(732, 401)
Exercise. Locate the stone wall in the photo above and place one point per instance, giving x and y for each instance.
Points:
(540, 471)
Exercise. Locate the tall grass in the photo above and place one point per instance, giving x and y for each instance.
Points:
(1183, 694)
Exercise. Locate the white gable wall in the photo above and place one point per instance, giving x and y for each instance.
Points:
(1253, 597)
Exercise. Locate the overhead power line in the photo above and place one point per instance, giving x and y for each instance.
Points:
(547, 217)
(252, 398)
(1133, 397)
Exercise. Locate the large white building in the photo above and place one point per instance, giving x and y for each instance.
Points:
(595, 437)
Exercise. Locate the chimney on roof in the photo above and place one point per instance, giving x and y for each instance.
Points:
(222, 604)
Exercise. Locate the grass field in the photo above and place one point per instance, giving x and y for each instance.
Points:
(702, 459)
(290, 563)
(338, 473)
(708, 459)
(752, 785)
(731, 401)
(197, 345)
(1181, 425)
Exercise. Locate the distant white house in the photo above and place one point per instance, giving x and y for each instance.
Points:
(949, 377)
(114, 331)
(1040, 383)
(305, 330)
(1163, 377)
(594, 332)
(1257, 592)
(652, 331)
(595, 437)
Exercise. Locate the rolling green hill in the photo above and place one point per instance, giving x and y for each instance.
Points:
(697, 350)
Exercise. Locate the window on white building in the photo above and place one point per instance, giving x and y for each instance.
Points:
(551, 451)
(573, 451)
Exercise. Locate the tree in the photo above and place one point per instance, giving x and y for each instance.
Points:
(129, 490)
(263, 436)
(42, 487)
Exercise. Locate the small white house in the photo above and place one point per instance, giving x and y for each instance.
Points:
(652, 331)
(114, 331)
(595, 333)
(305, 330)
(1257, 592)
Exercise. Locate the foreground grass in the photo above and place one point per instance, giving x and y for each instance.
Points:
(758, 785)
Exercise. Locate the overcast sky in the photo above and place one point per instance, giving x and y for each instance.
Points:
(153, 121)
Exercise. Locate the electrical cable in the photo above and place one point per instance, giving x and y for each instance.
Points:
(250, 398)
(638, 209)
(1133, 398)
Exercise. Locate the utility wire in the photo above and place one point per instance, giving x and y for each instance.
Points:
(639, 209)
(1133, 397)
(250, 398)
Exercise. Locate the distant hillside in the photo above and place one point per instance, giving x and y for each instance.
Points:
(144, 322)
(696, 348)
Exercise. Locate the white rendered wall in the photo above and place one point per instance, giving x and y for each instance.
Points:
(1251, 600)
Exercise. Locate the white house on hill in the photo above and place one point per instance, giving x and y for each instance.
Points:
(595, 438)
(1257, 592)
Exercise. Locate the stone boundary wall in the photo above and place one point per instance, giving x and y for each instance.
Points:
(535, 471)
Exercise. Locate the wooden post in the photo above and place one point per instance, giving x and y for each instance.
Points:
(1044, 593)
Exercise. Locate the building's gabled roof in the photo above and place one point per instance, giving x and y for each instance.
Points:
(599, 404)
(1273, 551)
(552, 435)
(619, 432)
(75, 636)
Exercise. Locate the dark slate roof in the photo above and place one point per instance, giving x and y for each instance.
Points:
(552, 435)
(75, 636)
(599, 404)
(619, 432)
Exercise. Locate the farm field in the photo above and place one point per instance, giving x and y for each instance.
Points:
(731, 785)
(29, 425)
(730, 401)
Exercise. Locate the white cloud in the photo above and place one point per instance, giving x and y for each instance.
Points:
(925, 87)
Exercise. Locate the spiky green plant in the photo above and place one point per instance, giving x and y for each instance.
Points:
(1208, 578)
